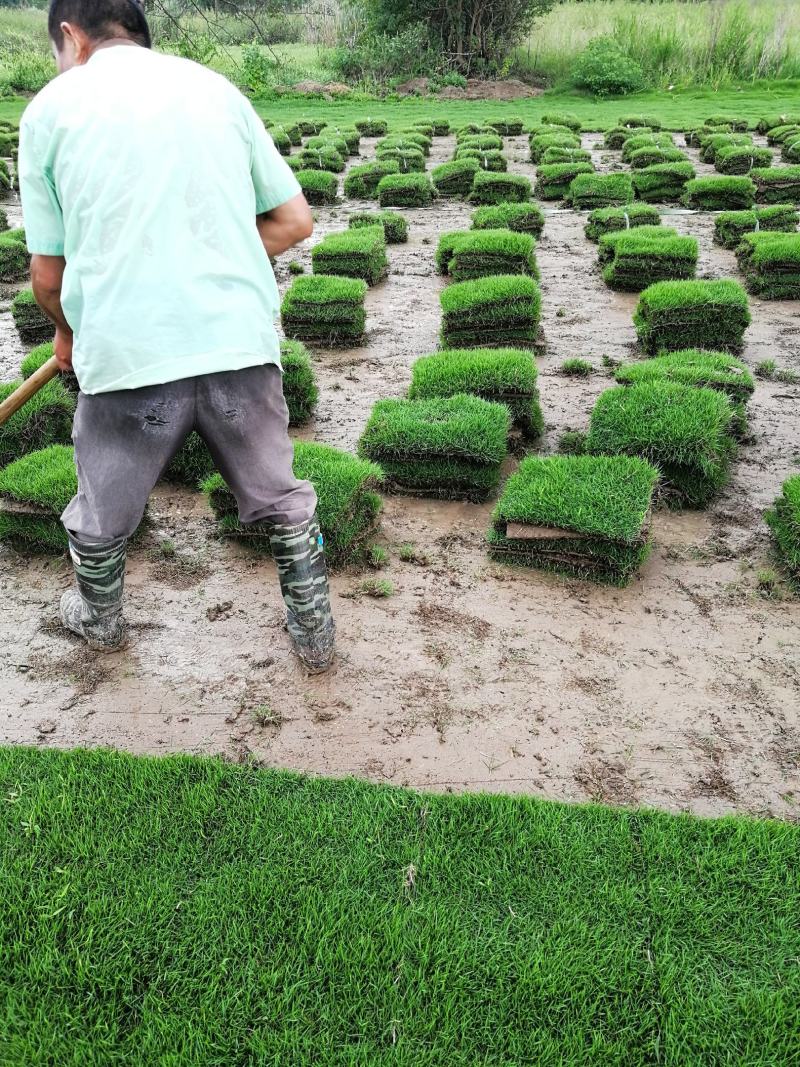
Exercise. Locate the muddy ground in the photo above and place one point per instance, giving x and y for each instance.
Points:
(681, 691)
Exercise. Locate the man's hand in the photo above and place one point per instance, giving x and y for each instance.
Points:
(285, 226)
(63, 350)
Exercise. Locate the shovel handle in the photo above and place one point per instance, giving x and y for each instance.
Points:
(29, 387)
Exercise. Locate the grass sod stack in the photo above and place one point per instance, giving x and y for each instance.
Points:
(675, 315)
(329, 140)
(563, 118)
(409, 160)
(439, 127)
(46, 419)
(685, 432)
(582, 516)
(489, 188)
(738, 159)
(782, 134)
(553, 181)
(643, 256)
(776, 185)
(353, 253)
(790, 153)
(310, 127)
(719, 194)
(771, 122)
(444, 250)
(612, 219)
(405, 190)
(731, 226)
(712, 143)
(281, 140)
(588, 192)
(783, 519)
(446, 447)
(559, 154)
(695, 138)
(662, 183)
(482, 142)
(540, 142)
(351, 137)
(503, 375)
(508, 127)
(483, 253)
(361, 182)
(34, 490)
(319, 186)
(522, 218)
(326, 158)
(490, 312)
(37, 357)
(348, 504)
(371, 127)
(770, 263)
(30, 320)
(455, 178)
(736, 122)
(487, 159)
(646, 140)
(395, 226)
(15, 260)
(652, 155)
(630, 121)
(616, 137)
(325, 309)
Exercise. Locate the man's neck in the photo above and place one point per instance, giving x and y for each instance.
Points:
(112, 42)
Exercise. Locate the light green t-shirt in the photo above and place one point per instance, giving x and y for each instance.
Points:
(146, 172)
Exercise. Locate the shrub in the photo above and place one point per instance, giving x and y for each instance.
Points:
(395, 226)
(15, 259)
(358, 253)
(409, 160)
(770, 263)
(325, 309)
(490, 312)
(737, 159)
(30, 320)
(683, 431)
(34, 490)
(663, 182)
(522, 218)
(371, 127)
(481, 253)
(326, 158)
(731, 226)
(510, 127)
(605, 70)
(783, 520)
(454, 178)
(319, 186)
(576, 368)
(46, 419)
(776, 185)
(487, 159)
(502, 375)
(553, 181)
(405, 190)
(361, 183)
(441, 446)
(590, 191)
(693, 314)
(617, 136)
(540, 143)
(652, 155)
(719, 194)
(643, 256)
(611, 219)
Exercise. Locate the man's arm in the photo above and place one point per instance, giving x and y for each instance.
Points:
(285, 226)
(47, 274)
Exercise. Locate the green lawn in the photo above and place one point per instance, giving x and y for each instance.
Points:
(184, 911)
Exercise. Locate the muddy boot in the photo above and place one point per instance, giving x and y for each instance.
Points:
(300, 559)
(94, 609)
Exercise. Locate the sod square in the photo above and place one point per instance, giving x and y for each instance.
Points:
(675, 315)
(696, 138)
(770, 122)
(644, 255)
(652, 155)
(30, 320)
(444, 250)
(565, 155)
(46, 419)
(439, 126)
(292, 131)
(790, 152)
(361, 183)
(683, 431)
(487, 159)
(509, 127)
(540, 142)
(522, 218)
(553, 180)
(482, 142)
(37, 357)
(731, 226)
(325, 309)
(409, 160)
(351, 137)
(770, 263)
(191, 464)
(357, 253)
(736, 122)
(311, 127)
(640, 120)
(781, 134)
(15, 260)
(711, 143)
(490, 312)
(583, 516)
(281, 140)
(616, 137)
(474, 129)
(590, 191)
(395, 226)
(503, 375)
(727, 193)
(319, 186)
(783, 519)
(454, 178)
(491, 188)
(421, 126)
(371, 127)
(405, 190)
(646, 140)
(34, 490)
(611, 219)
(563, 118)
(740, 159)
(348, 504)
(448, 447)
(326, 158)
(777, 185)
(481, 253)
(663, 182)
(409, 139)
(329, 140)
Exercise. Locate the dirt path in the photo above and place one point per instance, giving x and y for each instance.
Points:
(681, 691)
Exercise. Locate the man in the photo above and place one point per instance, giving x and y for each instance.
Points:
(152, 198)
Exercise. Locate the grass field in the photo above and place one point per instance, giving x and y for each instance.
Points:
(186, 911)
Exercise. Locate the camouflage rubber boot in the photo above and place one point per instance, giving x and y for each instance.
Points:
(300, 557)
(94, 609)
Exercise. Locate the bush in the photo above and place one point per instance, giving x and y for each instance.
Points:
(605, 70)
(358, 253)
(30, 320)
(379, 58)
(694, 314)
(454, 178)
(590, 191)
(46, 419)
(612, 219)
(490, 311)
(522, 218)
(482, 253)
(37, 487)
(662, 183)
(770, 263)
(643, 256)
(719, 194)
(325, 309)
(361, 183)
(28, 71)
(783, 520)
(776, 185)
(395, 227)
(731, 226)
(319, 186)
(405, 190)
(488, 188)
(553, 181)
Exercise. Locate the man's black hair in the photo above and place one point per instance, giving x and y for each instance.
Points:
(100, 20)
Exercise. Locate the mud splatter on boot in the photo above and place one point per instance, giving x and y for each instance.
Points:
(94, 609)
(300, 557)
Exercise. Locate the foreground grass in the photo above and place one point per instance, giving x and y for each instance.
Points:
(184, 911)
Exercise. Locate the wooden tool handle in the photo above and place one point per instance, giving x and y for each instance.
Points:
(29, 387)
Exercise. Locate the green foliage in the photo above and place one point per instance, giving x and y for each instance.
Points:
(741, 159)
(30, 320)
(490, 312)
(591, 191)
(605, 70)
(696, 367)
(662, 182)
(731, 226)
(611, 219)
(44, 420)
(642, 256)
(574, 367)
(719, 194)
(543, 142)
(489, 188)
(486, 158)
(481, 253)
(378, 58)
(777, 185)
(783, 520)
(36, 488)
(324, 309)
(454, 178)
(652, 155)
(405, 190)
(553, 180)
(572, 443)
(696, 314)
(325, 158)
(522, 218)
(361, 183)
(14, 259)
(395, 226)
(770, 263)
(319, 186)
(352, 253)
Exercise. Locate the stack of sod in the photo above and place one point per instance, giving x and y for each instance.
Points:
(712, 143)
(696, 137)
(473, 129)
(420, 127)
(46, 419)
(30, 320)
(37, 357)
(491, 311)
(450, 447)
(783, 519)
(646, 140)
(408, 139)
(409, 160)
(736, 122)
(319, 186)
(563, 118)
(347, 502)
(590, 191)
(738, 159)
(777, 185)
(645, 255)
(438, 127)
(395, 227)
(487, 159)
(731, 226)
(683, 431)
(509, 127)
(325, 309)
(790, 153)
(311, 127)
(15, 259)
(371, 127)
(692, 314)
(583, 516)
(782, 134)
(488, 188)
(540, 142)
(281, 140)
(34, 490)
(326, 158)
(611, 219)
(559, 154)
(361, 183)
(640, 120)
(502, 375)
(616, 137)
(350, 136)
(663, 182)
(405, 190)
(329, 140)
(483, 253)
(523, 218)
(444, 250)
(545, 129)
(358, 253)
(770, 122)
(770, 263)
(483, 142)
(719, 194)
(293, 132)
(652, 155)
(454, 178)
(554, 179)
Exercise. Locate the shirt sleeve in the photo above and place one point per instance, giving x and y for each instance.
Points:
(273, 179)
(41, 210)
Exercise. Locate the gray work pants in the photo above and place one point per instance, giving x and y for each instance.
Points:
(125, 440)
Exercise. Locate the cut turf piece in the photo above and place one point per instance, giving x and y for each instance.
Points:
(30, 320)
(540, 142)
(444, 250)
(696, 314)
(503, 375)
(37, 357)
(448, 447)
(616, 137)
(645, 255)
(711, 143)
(454, 178)
(683, 431)
(770, 263)
(361, 183)
(777, 185)
(405, 190)
(731, 226)
(311, 127)
(607, 244)
(491, 312)
(46, 419)
(321, 159)
(191, 464)
(329, 140)
(358, 253)
(563, 118)
(583, 516)
(738, 159)
(280, 140)
(439, 126)
(350, 136)
(783, 519)
(770, 122)
(488, 188)
(719, 194)
(652, 155)
(640, 120)
(395, 226)
(553, 180)
(325, 309)
(590, 191)
(371, 127)
(611, 219)
(487, 159)
(482, 253)
(293, 132)
(509, 127)
(319, 186)
(15, 260)
(782, 134)
(646, 140)
(736, 122)
(662, 183)
(482, 142)
(556, 154)
(696, 137)
(409, 139)
(522, 218)
(348, 503)
(409, 160)
(790, 153)
(34, 490)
